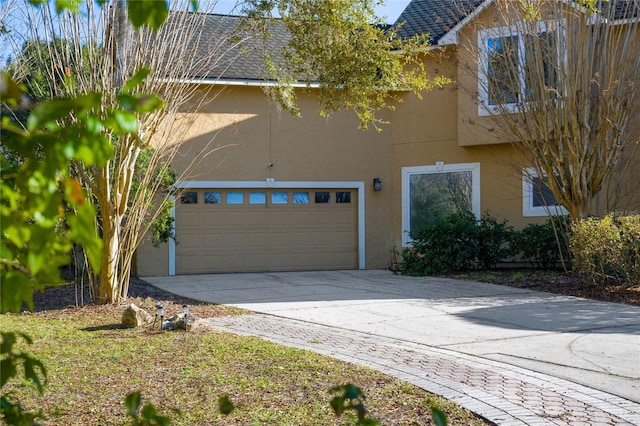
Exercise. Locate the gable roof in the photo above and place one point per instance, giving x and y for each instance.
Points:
(228, 50)
(623, 9)
(442, 19)
(244, 60)
(434, 17)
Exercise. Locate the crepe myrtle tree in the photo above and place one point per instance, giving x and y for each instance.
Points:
(99, 50)
(560, 80)
(44, 210)
(340, 44)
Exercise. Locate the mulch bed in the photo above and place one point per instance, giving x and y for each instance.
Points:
(557, 282)
(146, 296)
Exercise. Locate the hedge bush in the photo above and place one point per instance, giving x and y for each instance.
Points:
(460, 242)
(607, 249)
(443, 246)
(457, 242)
(543, 245)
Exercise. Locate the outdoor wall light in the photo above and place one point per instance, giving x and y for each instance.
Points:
(185, 310)
(159, 313)
(377, 184)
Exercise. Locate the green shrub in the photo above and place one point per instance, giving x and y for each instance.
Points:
(607, 249)
(443, 246)
(494, 241)
(457, 242)
(630, 235)
(541, 244)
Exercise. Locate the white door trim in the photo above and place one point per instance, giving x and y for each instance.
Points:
(273, 184)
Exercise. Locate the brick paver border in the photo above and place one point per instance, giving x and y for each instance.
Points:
(501, 393)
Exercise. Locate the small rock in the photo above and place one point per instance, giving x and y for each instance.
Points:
(133, 316)
(181, 324)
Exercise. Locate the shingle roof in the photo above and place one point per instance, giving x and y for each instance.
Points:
(434, 17)
(245, 60)
(230, 51)
(438, 17)
(623, 9)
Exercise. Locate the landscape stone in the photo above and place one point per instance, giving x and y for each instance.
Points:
(133, 316)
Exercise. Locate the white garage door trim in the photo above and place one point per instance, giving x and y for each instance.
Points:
(271, 183)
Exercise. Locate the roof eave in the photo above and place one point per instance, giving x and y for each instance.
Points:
(238, 82)
(451, 37)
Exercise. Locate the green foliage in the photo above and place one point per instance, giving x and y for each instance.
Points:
(457, 242)
(38, 195)
(543, 245)
(225, 405)
(607, 248)
(494, 241)
(44, 210)
(162, 228)
(351, 398)
(12, 360)
(437, 415)
(150, 13)
(531, 11)
(145, 416)
(629, 227)
(356, 58)
(591, 6)
(442, 246)
(59, 77)
(61, 5)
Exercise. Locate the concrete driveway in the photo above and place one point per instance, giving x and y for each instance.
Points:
(595, 344)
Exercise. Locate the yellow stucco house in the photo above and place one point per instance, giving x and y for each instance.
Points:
(317, 193)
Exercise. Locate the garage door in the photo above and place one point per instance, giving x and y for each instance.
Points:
(256, 230)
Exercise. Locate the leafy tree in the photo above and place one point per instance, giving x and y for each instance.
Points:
(338, 43)
(101, 50)
(359, 62)
(565, 92)
(43, 209)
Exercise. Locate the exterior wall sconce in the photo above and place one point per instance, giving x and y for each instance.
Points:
(377, 184)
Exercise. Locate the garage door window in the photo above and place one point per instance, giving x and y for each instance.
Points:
(190, 197)
(300, 198)
(279, 198)
(212, 198)
(258, 197)
(343, 197)
(322, 197)
(235, 198)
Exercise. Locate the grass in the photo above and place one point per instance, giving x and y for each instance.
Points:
(92, 363)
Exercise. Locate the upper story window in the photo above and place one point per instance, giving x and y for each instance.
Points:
(517, 65)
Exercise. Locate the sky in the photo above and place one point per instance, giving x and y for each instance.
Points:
(391, 10)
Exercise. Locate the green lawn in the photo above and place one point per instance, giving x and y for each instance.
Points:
(92, 364)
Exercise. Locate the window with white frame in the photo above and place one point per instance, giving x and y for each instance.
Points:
(537, 198)
(517, 64)
(430, 192)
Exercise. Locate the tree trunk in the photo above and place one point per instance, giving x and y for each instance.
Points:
(108, 288)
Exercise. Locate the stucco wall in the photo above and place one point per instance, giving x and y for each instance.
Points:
(241, 133)
(435, 129)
